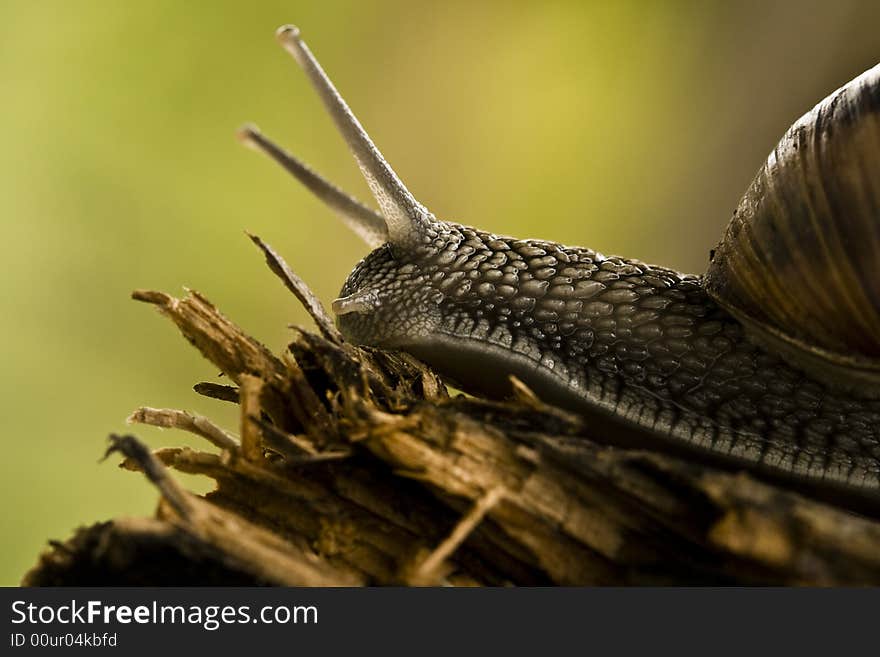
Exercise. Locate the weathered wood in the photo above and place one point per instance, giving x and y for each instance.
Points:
(356, 467)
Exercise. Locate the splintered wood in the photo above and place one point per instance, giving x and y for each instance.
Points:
(354, 466)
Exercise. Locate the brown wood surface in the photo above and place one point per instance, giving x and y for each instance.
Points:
(355, 466)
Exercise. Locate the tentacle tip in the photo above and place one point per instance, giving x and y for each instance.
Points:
(248, 134)
(287, 34)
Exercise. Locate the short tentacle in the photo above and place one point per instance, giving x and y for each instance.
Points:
(368, 224)
(359, 302)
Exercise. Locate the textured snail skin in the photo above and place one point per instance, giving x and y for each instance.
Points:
(641, 351)
(644, 353)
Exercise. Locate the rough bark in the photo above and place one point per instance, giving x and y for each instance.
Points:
(355, 466)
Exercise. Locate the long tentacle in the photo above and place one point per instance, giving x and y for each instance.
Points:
(408, 221)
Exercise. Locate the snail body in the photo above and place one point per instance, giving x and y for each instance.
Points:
(653, 358)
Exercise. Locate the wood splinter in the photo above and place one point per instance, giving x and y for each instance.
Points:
(432, 569)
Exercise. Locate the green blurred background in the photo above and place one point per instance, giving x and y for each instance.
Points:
(631, 127)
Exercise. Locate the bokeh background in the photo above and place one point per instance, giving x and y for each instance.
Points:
(631, 127)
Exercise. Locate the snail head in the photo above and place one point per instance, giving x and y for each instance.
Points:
(386, 299)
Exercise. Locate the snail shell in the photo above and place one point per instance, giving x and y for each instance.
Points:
(799, 263)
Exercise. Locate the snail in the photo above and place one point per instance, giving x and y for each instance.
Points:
(770, 362)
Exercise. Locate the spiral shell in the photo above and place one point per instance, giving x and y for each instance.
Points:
(799, 263)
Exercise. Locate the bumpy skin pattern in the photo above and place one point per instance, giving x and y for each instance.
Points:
(639, 346)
